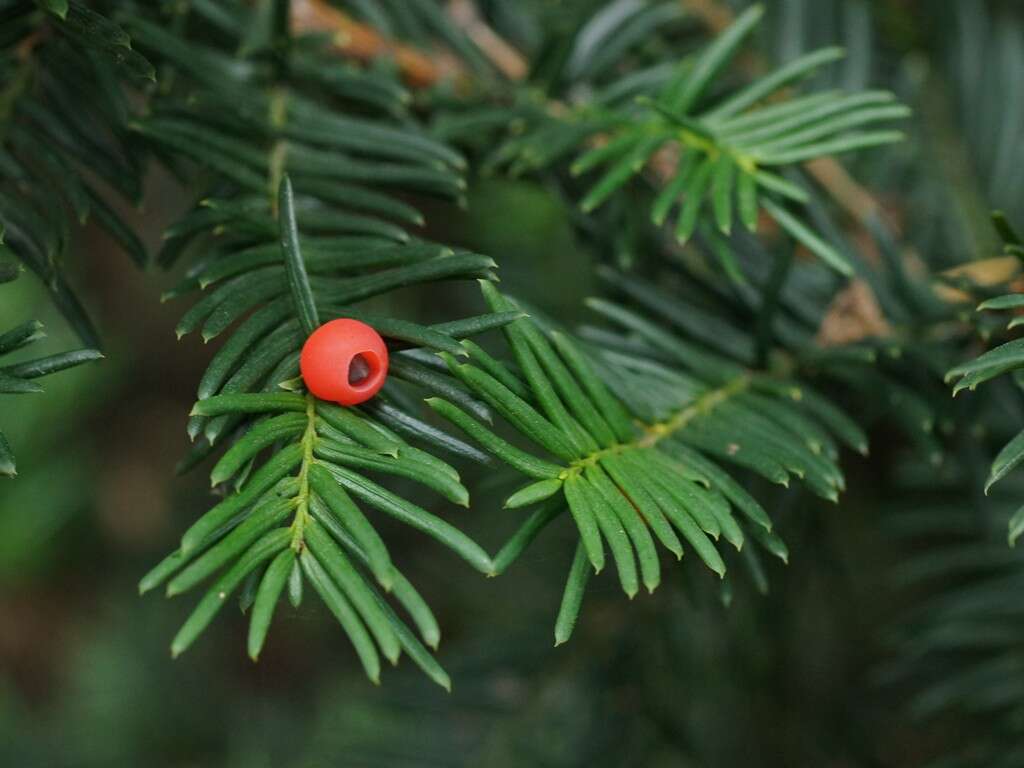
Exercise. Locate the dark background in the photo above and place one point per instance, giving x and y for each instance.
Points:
(802, 677)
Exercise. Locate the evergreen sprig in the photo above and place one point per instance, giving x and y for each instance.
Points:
(630, 446)
(304, 223)
(730, 156)
(296, 508)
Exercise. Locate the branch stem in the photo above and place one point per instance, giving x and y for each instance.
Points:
(654, 433)
(308, 444)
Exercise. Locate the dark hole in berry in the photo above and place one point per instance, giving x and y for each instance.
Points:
(358, 371)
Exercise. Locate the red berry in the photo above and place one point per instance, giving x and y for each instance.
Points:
(344, 361)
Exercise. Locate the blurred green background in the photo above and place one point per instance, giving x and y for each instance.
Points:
(674, 679)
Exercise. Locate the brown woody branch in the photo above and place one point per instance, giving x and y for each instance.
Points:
(510, 62)
(354, 39)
